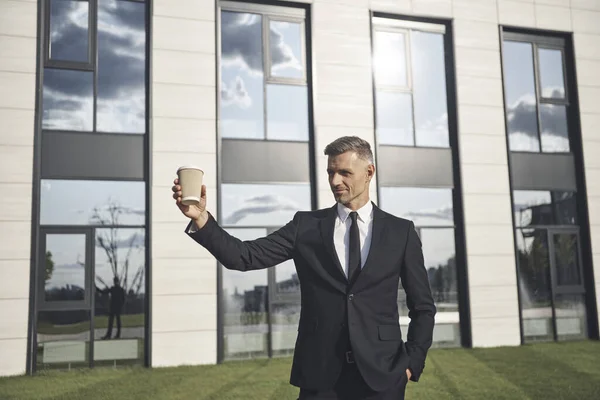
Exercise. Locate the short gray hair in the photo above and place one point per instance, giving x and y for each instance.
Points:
(350, 143)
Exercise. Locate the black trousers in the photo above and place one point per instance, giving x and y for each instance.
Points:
(351, 386)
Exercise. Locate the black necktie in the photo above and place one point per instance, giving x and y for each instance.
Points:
(354, 253)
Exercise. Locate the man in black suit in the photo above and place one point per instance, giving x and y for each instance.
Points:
(350, 259)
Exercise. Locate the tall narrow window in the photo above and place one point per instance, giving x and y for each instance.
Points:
(264, 130)
(91, 302)
(547, 200)
(411, 115)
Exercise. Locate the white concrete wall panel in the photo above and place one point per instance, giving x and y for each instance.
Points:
(183, 125)
(18, 41)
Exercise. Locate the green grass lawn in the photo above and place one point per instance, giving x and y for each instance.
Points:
(549, 371)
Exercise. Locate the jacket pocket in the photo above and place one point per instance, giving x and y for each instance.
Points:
(389, 332)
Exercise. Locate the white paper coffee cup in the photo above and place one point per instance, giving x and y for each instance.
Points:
(190, 180)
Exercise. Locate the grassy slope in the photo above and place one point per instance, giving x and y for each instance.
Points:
(542, 371)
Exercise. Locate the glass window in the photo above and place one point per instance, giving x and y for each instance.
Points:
(429, 87)
(65, 266)
(287, 112)
(67, 100)
(390, 59)
(553, 124)
(394, 118)
(551, 73)
(68, 202)
(263, 205)
(69, 25)
(520, 95)
(424, 206)
(286, 49)
(439, 255)
(532, 207)
(566, 258)
(121, 67)
(534, 284)
(63, 339)
(539, 207)
(245, 306)
(411, 106)
(120, 264)
(565, 207)
(571, 317)
(242, 78)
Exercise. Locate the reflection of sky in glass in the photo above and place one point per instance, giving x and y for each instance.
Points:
(121, 67)
(287, 112)
(424, 206)
(524, 199)
(68, 18)
(243, 281)
(551, 73)
(429, 88)
(519, 84)
(394, 118)
(286, 49)
(438, 246)
(67, 100)
(67, 95)
(68, 254)
(242, 104)
(123, 250)
(390, 59)
(242, 80)
(68, 202)
(553, 121)
(263, 204)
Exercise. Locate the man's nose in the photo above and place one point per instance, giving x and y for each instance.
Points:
(335, 180)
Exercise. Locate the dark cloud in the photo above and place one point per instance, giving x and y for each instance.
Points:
(69, 30)
(121, 71)
(241, 42)
(522, 118)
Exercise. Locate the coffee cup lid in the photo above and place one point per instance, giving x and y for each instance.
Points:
(189, 167)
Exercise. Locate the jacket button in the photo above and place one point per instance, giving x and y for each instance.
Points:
(350, 297)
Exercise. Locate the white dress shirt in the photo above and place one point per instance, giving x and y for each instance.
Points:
(341, 233)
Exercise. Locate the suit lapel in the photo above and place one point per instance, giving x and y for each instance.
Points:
(327, 228)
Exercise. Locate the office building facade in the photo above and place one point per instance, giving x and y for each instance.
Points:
(482, 115)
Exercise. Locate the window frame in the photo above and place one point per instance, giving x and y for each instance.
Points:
(549, 43)
(407, 28)
(92, 61)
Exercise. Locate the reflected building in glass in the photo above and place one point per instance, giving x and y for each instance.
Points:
(483, 123)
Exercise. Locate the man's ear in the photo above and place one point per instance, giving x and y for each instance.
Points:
(370, 172)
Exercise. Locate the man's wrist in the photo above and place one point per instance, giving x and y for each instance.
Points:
(201, 220)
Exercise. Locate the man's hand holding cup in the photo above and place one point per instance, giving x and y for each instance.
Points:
(190, 194)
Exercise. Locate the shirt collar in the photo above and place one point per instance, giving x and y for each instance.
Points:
(364, 213)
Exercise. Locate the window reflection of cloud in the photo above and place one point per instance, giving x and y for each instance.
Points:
(235, 94)
(261, 205)
(240, 48)
(121, 74)
(121, 69)
(68, 30)
(523, 127)
(283, 55)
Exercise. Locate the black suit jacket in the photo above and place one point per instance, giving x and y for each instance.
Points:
(336, 313)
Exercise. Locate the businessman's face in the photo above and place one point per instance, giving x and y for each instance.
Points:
(349, 178)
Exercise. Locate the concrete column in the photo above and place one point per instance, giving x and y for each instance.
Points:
(183, 129)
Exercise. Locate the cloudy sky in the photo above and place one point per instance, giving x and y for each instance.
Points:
(521, 100)
(243, 78)
(68, 95)
(395, 123)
